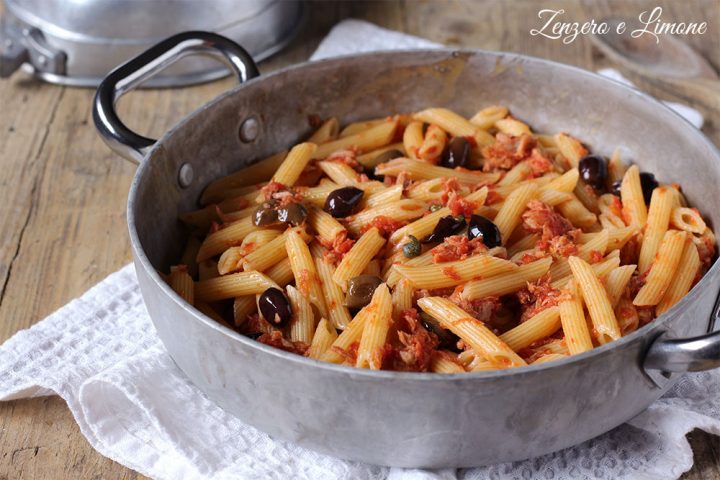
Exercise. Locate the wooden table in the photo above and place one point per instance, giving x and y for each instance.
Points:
(62, 215)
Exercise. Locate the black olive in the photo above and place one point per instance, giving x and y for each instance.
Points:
(254, 335)
(447, 339)
(294, 214)
(615, 187)
(360, 290)
(484, 228)
(445, 227)
(412, 248)
(266, 215)
(275, 307)
(593, 171)
(341, 202)
(456, 153)
(648, 184)
(387, 155)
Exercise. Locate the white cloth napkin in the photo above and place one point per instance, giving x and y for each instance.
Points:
(101, 354)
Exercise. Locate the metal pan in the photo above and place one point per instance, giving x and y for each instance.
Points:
(395, 418)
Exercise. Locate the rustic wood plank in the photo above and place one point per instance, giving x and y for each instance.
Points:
(64, 229)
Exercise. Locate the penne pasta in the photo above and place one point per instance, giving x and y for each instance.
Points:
(662, 271)
(684, 277)
(605, 324)
(372, 341)
(574, 324)
(355, 261)
(322, 339)
(450, 274)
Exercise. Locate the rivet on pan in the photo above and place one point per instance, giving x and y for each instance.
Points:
(249, 130)
(185, 175)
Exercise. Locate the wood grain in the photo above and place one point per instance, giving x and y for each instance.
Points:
(62, 219)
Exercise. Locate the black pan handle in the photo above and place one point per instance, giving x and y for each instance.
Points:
(124, 78)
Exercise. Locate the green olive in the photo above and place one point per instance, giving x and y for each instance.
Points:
(360, 290)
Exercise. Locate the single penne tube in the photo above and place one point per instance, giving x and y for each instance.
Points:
(564, 183)
(338, 313)
(601, 269)
(400, 210)
(384, 196)
(587, 197)
(402, 297)
(423, 226)
(472, 331)
(326, 132)
(361, 126)
(192, 246)
(230, 235)
(355, 261)
(616, 169)
(577, 213)
(662, 202)
(506, 283)
(304, 271)
(433, 144)
(687, 219)
(547, 141)
(364, 141)
(295, 162)
(281, 273)
(302, 323)
(318, 194)
(663, 269)
(372, 341)
(340, 173)
(182, 283)
(598, 243)
(513, 126)
(509, 216)
(525, 243)
(323, 338)
(616, 237)
(233, 285)
(273, 251)
(373, 158)
(538, 327)
(605, 324)
(373, 268)
(231, 259)
(242, 308)
(257, 172)
(428, 191)
(549, 358)
(631, 194)
(627, 316)
(416, 170)
(572, 319)
(392, 276)
(554, 197)
(616, 282)
(450, 274)
(351, 334)
(455, 125)
(570, 148)
(443, 362)
(516, 174)
(486, 118)
(412, 139)
(683, 280)
(326, 226)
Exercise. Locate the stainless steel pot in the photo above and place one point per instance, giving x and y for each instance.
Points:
(394, 418)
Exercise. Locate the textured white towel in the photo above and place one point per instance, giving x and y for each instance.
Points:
(102, 355)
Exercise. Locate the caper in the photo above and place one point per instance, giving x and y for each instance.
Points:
(435, 207)
(294, 214)
(446, 338)
(446, 227)
(341, 202)
(266, 215)
(360, 290)
(412, 248)
(274, 306)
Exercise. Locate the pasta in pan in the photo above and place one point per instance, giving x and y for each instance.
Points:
(429, 242)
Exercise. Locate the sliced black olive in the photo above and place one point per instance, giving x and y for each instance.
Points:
(615, 188)
(448, 340)
(484, 228)
(341, 202)
(648, 184)
(445, 227)
(413, 248)
(266, 215)
(456, 153)
(388, 155)
(294, 214)
(593, 171)
(360, 290)
(275, 307)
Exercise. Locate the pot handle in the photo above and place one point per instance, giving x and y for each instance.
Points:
(129, 75)
(676, 355)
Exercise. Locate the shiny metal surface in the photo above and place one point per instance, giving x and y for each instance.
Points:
(413, 419)
(120, 138)
(88, 38)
